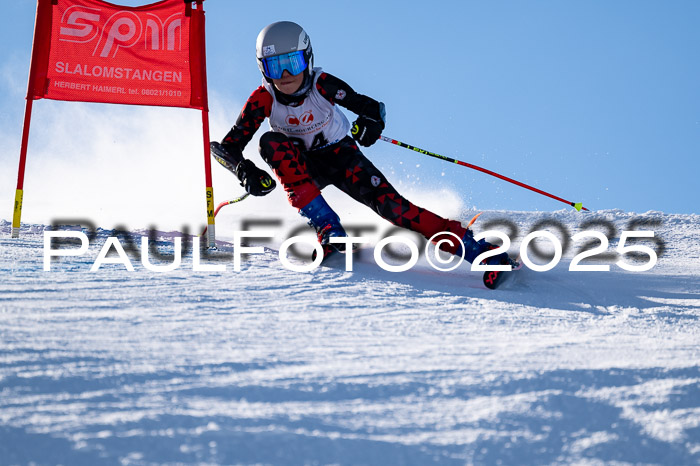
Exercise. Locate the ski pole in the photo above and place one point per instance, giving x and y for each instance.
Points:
(576, 205)
(225, 203)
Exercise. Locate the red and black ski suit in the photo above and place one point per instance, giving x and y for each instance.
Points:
(304, 172)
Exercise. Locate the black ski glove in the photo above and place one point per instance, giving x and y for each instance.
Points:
(255, 181)
(366, 130)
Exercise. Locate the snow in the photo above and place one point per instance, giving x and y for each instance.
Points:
(271, 366)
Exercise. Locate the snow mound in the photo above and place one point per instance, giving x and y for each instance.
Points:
(267, 365)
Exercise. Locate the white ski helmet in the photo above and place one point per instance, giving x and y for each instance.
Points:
(282, 39)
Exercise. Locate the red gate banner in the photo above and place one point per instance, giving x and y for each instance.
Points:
(93, 51)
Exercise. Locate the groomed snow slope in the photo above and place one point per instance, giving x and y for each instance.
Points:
(270, 366)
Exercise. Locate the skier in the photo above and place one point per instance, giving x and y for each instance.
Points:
(309, 147)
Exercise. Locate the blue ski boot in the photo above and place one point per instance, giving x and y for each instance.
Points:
(326, 223)
(472, 249)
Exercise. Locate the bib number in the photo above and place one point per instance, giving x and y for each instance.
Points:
(319, 141)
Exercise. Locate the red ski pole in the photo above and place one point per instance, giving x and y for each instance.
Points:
(223, 204)
(576, 205)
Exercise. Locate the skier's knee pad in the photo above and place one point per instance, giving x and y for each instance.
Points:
(272, 136)
(275, 148)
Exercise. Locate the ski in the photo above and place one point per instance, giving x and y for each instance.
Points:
(494, 279)
(330, 251)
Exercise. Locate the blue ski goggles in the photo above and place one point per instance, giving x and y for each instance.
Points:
(294, 62)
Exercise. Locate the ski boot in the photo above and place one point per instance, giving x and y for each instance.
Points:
(326, 223)
(473, 248)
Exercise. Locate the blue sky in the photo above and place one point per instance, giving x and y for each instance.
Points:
(594, 101)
